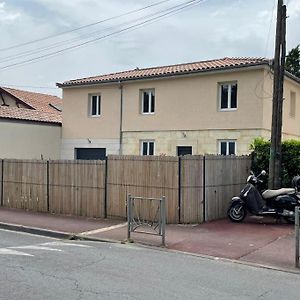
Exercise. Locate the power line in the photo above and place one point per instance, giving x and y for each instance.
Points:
(85, 26)
(269, 31)
(87, 35)
(187, 4)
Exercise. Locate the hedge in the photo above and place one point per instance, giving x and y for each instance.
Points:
(290, 159)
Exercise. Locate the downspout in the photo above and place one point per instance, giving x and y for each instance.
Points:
(121, 119)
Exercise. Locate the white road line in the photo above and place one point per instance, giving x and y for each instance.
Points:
(65, 244)
(104, 229)
(36, 248)
(13, 252)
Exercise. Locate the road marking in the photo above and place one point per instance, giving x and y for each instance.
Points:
(13, 252)
(65, 244)
(36, 248)
(104, 229)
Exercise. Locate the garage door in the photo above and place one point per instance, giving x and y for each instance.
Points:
(90, 153)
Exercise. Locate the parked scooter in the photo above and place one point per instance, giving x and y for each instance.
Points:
(278, 203)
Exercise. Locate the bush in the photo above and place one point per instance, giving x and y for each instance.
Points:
(290, 158)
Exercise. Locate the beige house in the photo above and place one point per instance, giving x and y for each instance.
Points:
(30, 125)
(207, 107)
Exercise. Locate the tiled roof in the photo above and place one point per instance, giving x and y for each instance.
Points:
(195, 67)
(29, 115)
(40, 107)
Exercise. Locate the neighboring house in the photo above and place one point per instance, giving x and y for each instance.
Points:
(216, 106)
(30, 125)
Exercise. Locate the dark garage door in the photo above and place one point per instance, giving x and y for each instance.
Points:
(184, 150)
(90, 153)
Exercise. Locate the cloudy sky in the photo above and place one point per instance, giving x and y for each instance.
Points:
(206, 29)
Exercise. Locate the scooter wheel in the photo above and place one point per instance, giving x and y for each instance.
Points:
(236, 212)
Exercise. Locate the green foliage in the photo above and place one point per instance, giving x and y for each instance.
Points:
(290, 158)
(292, 63)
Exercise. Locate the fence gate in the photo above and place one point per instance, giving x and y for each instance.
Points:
(146, 215)
(297, 233)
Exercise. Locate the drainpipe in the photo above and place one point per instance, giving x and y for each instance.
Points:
(121, 119)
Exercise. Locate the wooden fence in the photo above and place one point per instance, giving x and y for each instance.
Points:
(196, 188)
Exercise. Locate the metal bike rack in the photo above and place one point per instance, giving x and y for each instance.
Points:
(156, 225)
(297, 233)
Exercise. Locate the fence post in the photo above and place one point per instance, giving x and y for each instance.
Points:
(204, 195)
(48, 187)
(163, 219)
(105, 187)
(179, 189)
(2, 182)
(129, 217)
(297, 229)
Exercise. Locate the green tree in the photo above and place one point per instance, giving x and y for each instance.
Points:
(292, 63)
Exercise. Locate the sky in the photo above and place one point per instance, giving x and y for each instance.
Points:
(207, 30)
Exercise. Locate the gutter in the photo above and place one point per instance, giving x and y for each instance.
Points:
(121, 118)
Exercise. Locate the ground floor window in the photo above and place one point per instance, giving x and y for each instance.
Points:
(147, 147)
(90, 153)
(227, 147)
(184, 150)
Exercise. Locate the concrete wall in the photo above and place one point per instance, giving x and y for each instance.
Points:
(28, 140)
(291, 125)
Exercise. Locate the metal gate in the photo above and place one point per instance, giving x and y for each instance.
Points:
(146, 215)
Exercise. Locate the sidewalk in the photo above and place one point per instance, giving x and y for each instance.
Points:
(254, 241)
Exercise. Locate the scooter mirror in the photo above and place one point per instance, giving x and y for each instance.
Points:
(263, 172)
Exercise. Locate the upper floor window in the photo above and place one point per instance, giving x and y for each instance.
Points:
(227, 147)
(95, 105)
(228, 96)
(148, 101)
(147, 147)
(293, 105)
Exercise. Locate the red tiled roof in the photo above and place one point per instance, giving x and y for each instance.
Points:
(195, 67)
(29, 115)
(40, 108)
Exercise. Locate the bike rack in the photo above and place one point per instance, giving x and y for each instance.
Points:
(153, 225)
(297, 233)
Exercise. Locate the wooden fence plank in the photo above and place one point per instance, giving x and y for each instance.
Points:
(191, 202)
(77, 187)
(224, 176)
(142, 176)
(25, 184)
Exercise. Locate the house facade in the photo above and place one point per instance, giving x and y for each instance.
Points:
(208, 107)
(30, 125)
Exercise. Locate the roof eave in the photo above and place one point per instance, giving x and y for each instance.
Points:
(58, 123)
(66, 85)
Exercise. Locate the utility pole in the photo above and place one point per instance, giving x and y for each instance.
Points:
(276, 131)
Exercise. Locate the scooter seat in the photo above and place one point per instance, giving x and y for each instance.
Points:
(274, 193)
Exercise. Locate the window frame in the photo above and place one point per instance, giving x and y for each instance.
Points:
(227, 147)
(98, 105)
(151, 92)
(148, 148)
(229, 104)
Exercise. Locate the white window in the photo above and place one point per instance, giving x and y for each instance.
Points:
(228, 96)
(227, 147)
(147, 147)
(148, 101)
(293, 105)
(95, 105)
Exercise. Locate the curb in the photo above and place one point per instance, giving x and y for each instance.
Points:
(37, 231)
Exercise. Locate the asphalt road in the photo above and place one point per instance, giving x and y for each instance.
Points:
(34, 267)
